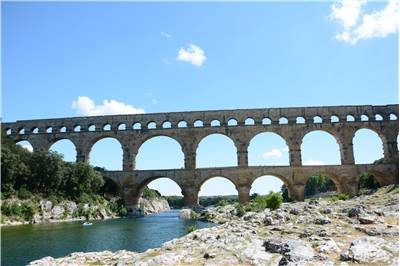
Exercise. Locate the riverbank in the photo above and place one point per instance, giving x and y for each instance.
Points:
(42, 211)
(317, 232)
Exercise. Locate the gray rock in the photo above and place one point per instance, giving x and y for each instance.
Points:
(367, 250)
(296, 251)
(294, 211)
(367, 219)
(209, 255)
(355, 211)
(268, 220)
(185, 214)
(322, 220)
(57, 212)
(46, 205)
(273, 245)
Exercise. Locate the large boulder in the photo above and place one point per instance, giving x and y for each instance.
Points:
(185, 214)
(370, 250)
(296, 252)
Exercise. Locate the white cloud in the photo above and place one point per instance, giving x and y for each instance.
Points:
(28, 147)
(313, 162)
(374, 25)
(166, 35)
(86, 106)
(274, 153)
(193, 55)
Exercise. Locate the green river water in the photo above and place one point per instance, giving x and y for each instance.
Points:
(24, 243)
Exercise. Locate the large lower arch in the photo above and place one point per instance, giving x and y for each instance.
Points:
(66, 148)
(268, 148)
(320, 148)
(321, 184)
(217, 186)
(25, 144)
(216, 150)
(367, 146)
(262, 185)
(160, 152)
(106, 153)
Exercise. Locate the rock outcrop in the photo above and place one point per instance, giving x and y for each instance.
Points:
(153, 205)
(289, 235)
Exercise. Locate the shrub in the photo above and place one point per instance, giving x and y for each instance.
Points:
(343, 196)
(223, 203)
(150, 193)
(334, 198)
(85, 198)
(274, 200)
(28, 210)
(191, 228)
(240, 211)
(23, 193)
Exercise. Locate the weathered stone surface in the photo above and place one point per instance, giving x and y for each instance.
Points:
(185, 214)
(294, 176)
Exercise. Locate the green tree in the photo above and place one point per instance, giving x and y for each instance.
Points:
(285, 193)
(318, 184)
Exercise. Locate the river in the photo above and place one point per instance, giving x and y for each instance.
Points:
(24, 243)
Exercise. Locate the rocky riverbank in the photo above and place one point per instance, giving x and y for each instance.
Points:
(361, 230)
(47, 211)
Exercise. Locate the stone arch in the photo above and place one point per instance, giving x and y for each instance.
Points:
(335, 119)
(215, 123)
(136, 125)
(117, 164)
(77, 128)
(364, 118)
(91, 127)
(335, 180)
(107, 127)
(63, 147)
(8, 131)
(249, 121)
(378, 117)
(262, 180)
(266, 121)
(300, 120)
(148, 180)
(219, 179)
(49, 130)
(393, 117)
(232, 122)
(63, 129)
(317, 119)
(264, 149)
(363, 138)
(121, 126)
(166, 124)
(26, 144)
(163, 142)
(151, 125)
(309, 145)
(217, 153)
(198, 123)
(35, 130)
(182, 124)
(283, 121)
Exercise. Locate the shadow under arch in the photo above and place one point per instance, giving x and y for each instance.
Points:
(231, 147)
(166, 140)
(328, 189)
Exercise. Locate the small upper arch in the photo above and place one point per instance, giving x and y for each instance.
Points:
(182, 124)
(392, 116)
(77, 128)
(198, 123)
(121, 126)
(350, 118)
(249, 121)
(317, 119)
(137, 125)
(215, 123)
(232, 122)
(151, 125)
(378, 117)
(283, 121)
(166, 124)
(334, 119)
(300, 120)
(35, 130)
(266, 121)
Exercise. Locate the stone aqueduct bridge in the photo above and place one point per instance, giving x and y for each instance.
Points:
(189, 128)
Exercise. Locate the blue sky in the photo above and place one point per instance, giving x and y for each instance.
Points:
(162, 57)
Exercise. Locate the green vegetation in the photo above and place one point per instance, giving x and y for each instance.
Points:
(318, 184)
(34, 175)
(271, 201)
(191, 228)
(368, 181)
(150, 193)
(175, 202)
(206, 201)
